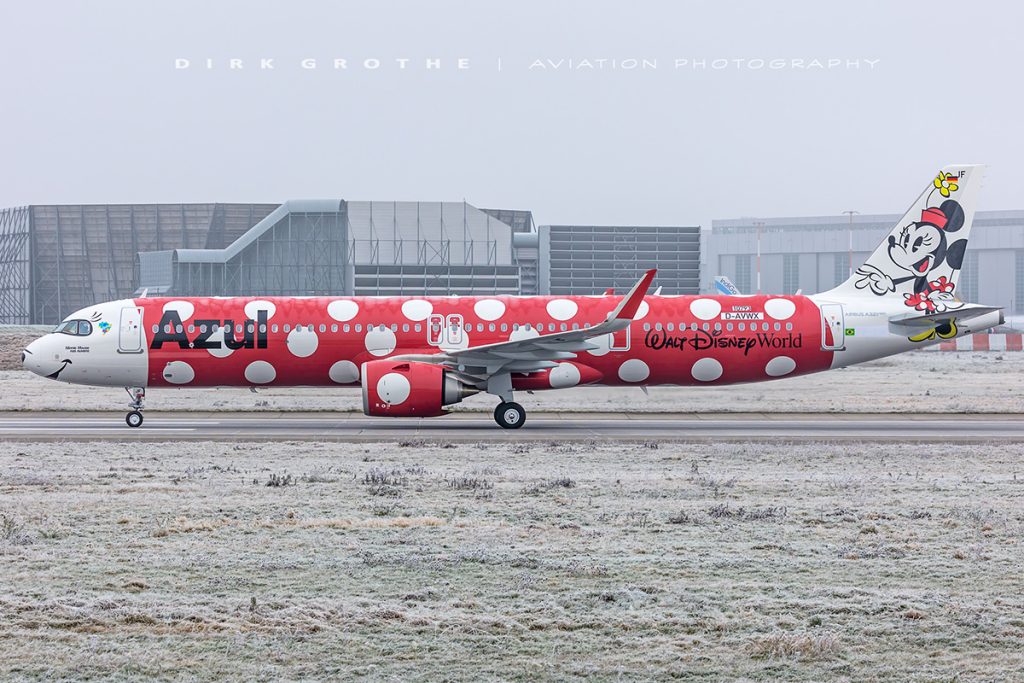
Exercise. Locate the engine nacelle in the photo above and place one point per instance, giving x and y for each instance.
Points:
(398, 388)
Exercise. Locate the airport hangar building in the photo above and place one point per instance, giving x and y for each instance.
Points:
(814, 254)
(56, 259)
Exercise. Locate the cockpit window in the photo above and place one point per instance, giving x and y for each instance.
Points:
(77, 328)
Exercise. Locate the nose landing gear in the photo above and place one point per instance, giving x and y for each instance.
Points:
(134, 417)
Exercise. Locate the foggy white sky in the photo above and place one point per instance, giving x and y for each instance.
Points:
(93, 109)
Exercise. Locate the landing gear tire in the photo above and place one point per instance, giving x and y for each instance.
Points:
(134, 419)
(510, 415)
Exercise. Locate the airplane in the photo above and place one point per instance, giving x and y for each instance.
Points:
(417, 356)
(725, 286)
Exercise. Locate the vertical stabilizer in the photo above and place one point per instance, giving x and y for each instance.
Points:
(919, 262)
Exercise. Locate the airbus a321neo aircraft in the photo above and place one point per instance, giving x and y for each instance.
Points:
(414, 356)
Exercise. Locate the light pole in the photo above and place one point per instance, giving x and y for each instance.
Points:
(759, 225)
(850, 213)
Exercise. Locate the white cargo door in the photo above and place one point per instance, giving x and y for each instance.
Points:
(129, 338)
(833, 331)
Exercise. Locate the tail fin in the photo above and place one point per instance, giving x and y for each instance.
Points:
(920, 260)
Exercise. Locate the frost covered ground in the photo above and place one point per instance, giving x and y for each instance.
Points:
(428, 560)
(917, 382)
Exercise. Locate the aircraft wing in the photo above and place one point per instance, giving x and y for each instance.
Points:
(477, 365)
(927, 320)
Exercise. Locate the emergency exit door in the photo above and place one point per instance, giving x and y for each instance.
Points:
(833, 329)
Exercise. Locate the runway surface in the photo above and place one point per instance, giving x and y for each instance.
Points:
(167, 426)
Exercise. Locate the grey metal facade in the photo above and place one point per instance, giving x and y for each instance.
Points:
(319, 247)
(814, 254)
(55, 259)
(584, 259)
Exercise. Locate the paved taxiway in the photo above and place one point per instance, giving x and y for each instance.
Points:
(471, 426)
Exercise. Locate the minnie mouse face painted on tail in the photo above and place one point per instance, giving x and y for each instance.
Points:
(921, 259)
(922, 247)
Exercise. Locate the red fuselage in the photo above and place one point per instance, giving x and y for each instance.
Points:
(674, 340)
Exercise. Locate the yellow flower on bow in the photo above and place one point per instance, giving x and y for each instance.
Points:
(945, 183)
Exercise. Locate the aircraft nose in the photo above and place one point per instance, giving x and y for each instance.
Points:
(30, 358)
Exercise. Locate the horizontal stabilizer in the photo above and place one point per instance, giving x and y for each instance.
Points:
(927, 320)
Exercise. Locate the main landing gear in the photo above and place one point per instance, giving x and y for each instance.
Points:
(134, 417)
(510, 415)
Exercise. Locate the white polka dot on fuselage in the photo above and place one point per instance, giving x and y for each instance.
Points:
(523, 333)
(417, 309)
(222, 350)
(642, 310)
(342, 310)
(179, 372)
(603, 344)
(380, 341)
(562, 309)
(779, 366)
(706, 370)
(184, 309)
(489, 309)
(344, 372)
(302, 342)
(780, 309)
(705, 309)
(260, 372)
(253, 308)
(634, 370)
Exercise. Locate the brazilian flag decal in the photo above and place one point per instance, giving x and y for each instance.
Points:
(850, 332)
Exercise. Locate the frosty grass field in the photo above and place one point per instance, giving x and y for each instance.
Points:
(420, 560)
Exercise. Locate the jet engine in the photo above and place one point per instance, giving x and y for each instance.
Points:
(399, 388)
